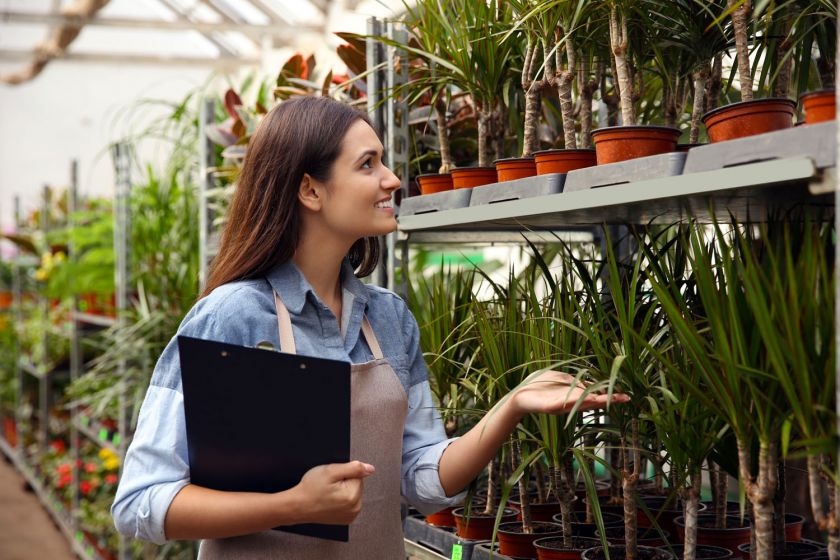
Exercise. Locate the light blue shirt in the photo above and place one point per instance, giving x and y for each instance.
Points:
(157, 467)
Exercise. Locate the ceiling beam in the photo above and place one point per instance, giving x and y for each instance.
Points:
(162, 60)
(279, 30)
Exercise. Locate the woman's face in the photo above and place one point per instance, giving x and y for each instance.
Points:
(357, 197)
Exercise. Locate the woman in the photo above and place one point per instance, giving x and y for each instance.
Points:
(311, 199)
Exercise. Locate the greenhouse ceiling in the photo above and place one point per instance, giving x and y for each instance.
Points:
(213, 33)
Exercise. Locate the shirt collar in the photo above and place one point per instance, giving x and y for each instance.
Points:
(288, 281)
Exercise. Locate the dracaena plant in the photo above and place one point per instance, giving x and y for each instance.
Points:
(622, 320)
(441, 304)
(732, 357)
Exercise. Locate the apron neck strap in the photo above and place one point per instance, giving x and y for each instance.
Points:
(287, 339)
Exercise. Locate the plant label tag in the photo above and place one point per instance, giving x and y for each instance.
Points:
(457, 551)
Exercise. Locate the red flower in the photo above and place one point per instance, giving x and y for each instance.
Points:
(85, 487)
(90, 467)
(58, 446)
(111, 478)
(65, 478)
(64, 468)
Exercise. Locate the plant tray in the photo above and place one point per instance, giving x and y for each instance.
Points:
(639, 169)
(437, 539)
(484, 552)
(438, 202)
(816, 141)
(538, 185)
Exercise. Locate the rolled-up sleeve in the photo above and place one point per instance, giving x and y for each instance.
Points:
(424, 438)
(156, 465)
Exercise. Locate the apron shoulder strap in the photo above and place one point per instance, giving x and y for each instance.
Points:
(287, 339)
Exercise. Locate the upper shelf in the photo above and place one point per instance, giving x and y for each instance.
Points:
(745, 191)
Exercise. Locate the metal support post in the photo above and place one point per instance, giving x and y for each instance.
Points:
(75, 349)
(206, 160)
(17, 289)
(44, 386)
(122, 225)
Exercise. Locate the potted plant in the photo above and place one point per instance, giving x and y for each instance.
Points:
(749, 116)
(627, 29)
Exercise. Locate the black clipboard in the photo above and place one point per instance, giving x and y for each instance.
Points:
(257, 420)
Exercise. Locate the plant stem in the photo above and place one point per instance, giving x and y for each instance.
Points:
(779, 509)
(691, 500)
(587, 87)
(619, 44)
(700, 77)
(616, 459)
(541, 494)
(715, 84)
(492, 471)
(443, 135)
(760, 494)
(781, 88)
(630, 480)
(524, 500)
(825, 520)
(720, 490)
(563, 80)
(740, 24)
(532, 101)
(562, 493)
(483, 121)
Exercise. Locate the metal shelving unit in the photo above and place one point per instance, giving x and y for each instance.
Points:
(80, 425)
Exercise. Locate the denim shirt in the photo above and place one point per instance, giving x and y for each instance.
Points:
(156, 465)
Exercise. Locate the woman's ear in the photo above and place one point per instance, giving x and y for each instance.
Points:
(309, 193)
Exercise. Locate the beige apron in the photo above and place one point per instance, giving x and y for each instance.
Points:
(378, 407)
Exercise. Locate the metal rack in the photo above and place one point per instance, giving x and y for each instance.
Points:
(81, 425)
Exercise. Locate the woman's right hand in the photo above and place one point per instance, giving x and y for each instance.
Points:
(332, 494)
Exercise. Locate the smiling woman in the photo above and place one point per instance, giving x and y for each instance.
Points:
(312, 197)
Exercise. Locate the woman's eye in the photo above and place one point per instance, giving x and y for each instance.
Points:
(367, 164)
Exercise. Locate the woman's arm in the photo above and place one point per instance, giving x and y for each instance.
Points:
(327, 494)
(552, 392)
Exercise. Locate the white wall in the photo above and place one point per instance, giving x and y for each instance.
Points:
(74, 110)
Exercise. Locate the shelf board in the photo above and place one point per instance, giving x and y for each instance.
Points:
(96, 432)
(34, 371)
(91, 319)
(750, 189)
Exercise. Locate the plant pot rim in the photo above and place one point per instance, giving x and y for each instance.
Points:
(816, 92)
(540, 543)
(473, 168)
(433, 175)
(534, 523)
(512, 159)
(565, 151)
(679, 521)
(459, 512)
(636, 127)
(737, 104)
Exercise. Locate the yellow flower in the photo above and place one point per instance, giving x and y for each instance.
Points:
(112, 464)
(106, 454)
(46, 259)
(41, 275)
(60, 256)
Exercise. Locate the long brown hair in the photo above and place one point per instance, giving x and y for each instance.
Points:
(298, 136)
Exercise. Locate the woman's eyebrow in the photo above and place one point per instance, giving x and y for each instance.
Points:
(366, 153)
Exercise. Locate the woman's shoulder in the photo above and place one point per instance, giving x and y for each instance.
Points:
(230, 304)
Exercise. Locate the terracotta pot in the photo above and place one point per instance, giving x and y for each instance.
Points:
(704, 552)
(434, 183)
(552, 548)
(601, 486)
(478, 527)
(582, 529)
(794, 550)
(6, 299)
(539, 512)
(515, 168)
(513, 542)
(469, 177)
(443, 518)
(644, 537)
(664, 512)
(747, 118)
(619, 553)
(620, 143)
(733, 536)
(563, 161)
(97, 304)
(9, 431)
(793, 527)
(606, 506)
(819, 106)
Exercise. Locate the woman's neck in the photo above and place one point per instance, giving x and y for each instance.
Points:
(320, 264)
